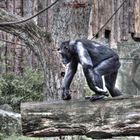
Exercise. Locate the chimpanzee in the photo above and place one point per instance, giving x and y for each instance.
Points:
(97, 60)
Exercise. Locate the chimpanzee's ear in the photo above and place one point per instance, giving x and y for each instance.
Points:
(72, 42)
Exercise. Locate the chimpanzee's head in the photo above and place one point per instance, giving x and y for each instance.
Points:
(66, 51)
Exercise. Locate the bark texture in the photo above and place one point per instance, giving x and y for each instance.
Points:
(102, 119)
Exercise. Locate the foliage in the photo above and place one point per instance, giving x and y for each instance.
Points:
(19, 88)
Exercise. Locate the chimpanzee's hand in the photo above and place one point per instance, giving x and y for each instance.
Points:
(66, 95)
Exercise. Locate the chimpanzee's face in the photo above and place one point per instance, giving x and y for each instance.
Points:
(65, 52)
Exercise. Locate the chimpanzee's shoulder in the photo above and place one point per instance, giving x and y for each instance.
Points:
(89, 43)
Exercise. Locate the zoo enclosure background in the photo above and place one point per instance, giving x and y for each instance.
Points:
(71, 19)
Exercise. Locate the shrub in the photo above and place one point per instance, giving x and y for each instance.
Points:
(20, 88)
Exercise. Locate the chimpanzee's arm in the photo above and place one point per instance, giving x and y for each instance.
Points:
(71, 69)
(84, 56)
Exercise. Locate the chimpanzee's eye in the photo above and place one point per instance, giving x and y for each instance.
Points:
(65, 47)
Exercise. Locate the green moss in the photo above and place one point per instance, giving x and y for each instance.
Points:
(87, 91)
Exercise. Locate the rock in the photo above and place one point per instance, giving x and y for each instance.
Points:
(128, 77)
(6, 107)
(10, 123)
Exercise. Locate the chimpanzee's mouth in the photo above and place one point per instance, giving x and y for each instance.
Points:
(65, 61)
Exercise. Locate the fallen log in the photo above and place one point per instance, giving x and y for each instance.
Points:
(101, 119)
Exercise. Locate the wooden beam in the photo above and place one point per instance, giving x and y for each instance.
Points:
(137, 18)
(101, 119)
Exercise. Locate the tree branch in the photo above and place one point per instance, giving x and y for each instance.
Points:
(29, 32)
(29, 18)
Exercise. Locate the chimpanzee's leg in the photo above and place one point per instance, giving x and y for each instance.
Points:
(89, 74)
(94, 75)
(110, 81)
(92, 79)
(106, 67)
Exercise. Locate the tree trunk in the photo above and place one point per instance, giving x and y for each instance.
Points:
(70, 21)
(101, 119)
(18, 54)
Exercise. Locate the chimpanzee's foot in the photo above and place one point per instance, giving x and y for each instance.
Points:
(115, 93)
(96, 97)
(103, 93)
(66, 96)
(87, 97)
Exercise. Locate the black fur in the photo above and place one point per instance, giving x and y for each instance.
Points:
(97, 61)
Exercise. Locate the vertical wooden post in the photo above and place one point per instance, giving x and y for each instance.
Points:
(137, 18)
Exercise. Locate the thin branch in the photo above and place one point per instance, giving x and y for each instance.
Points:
(29, 18)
